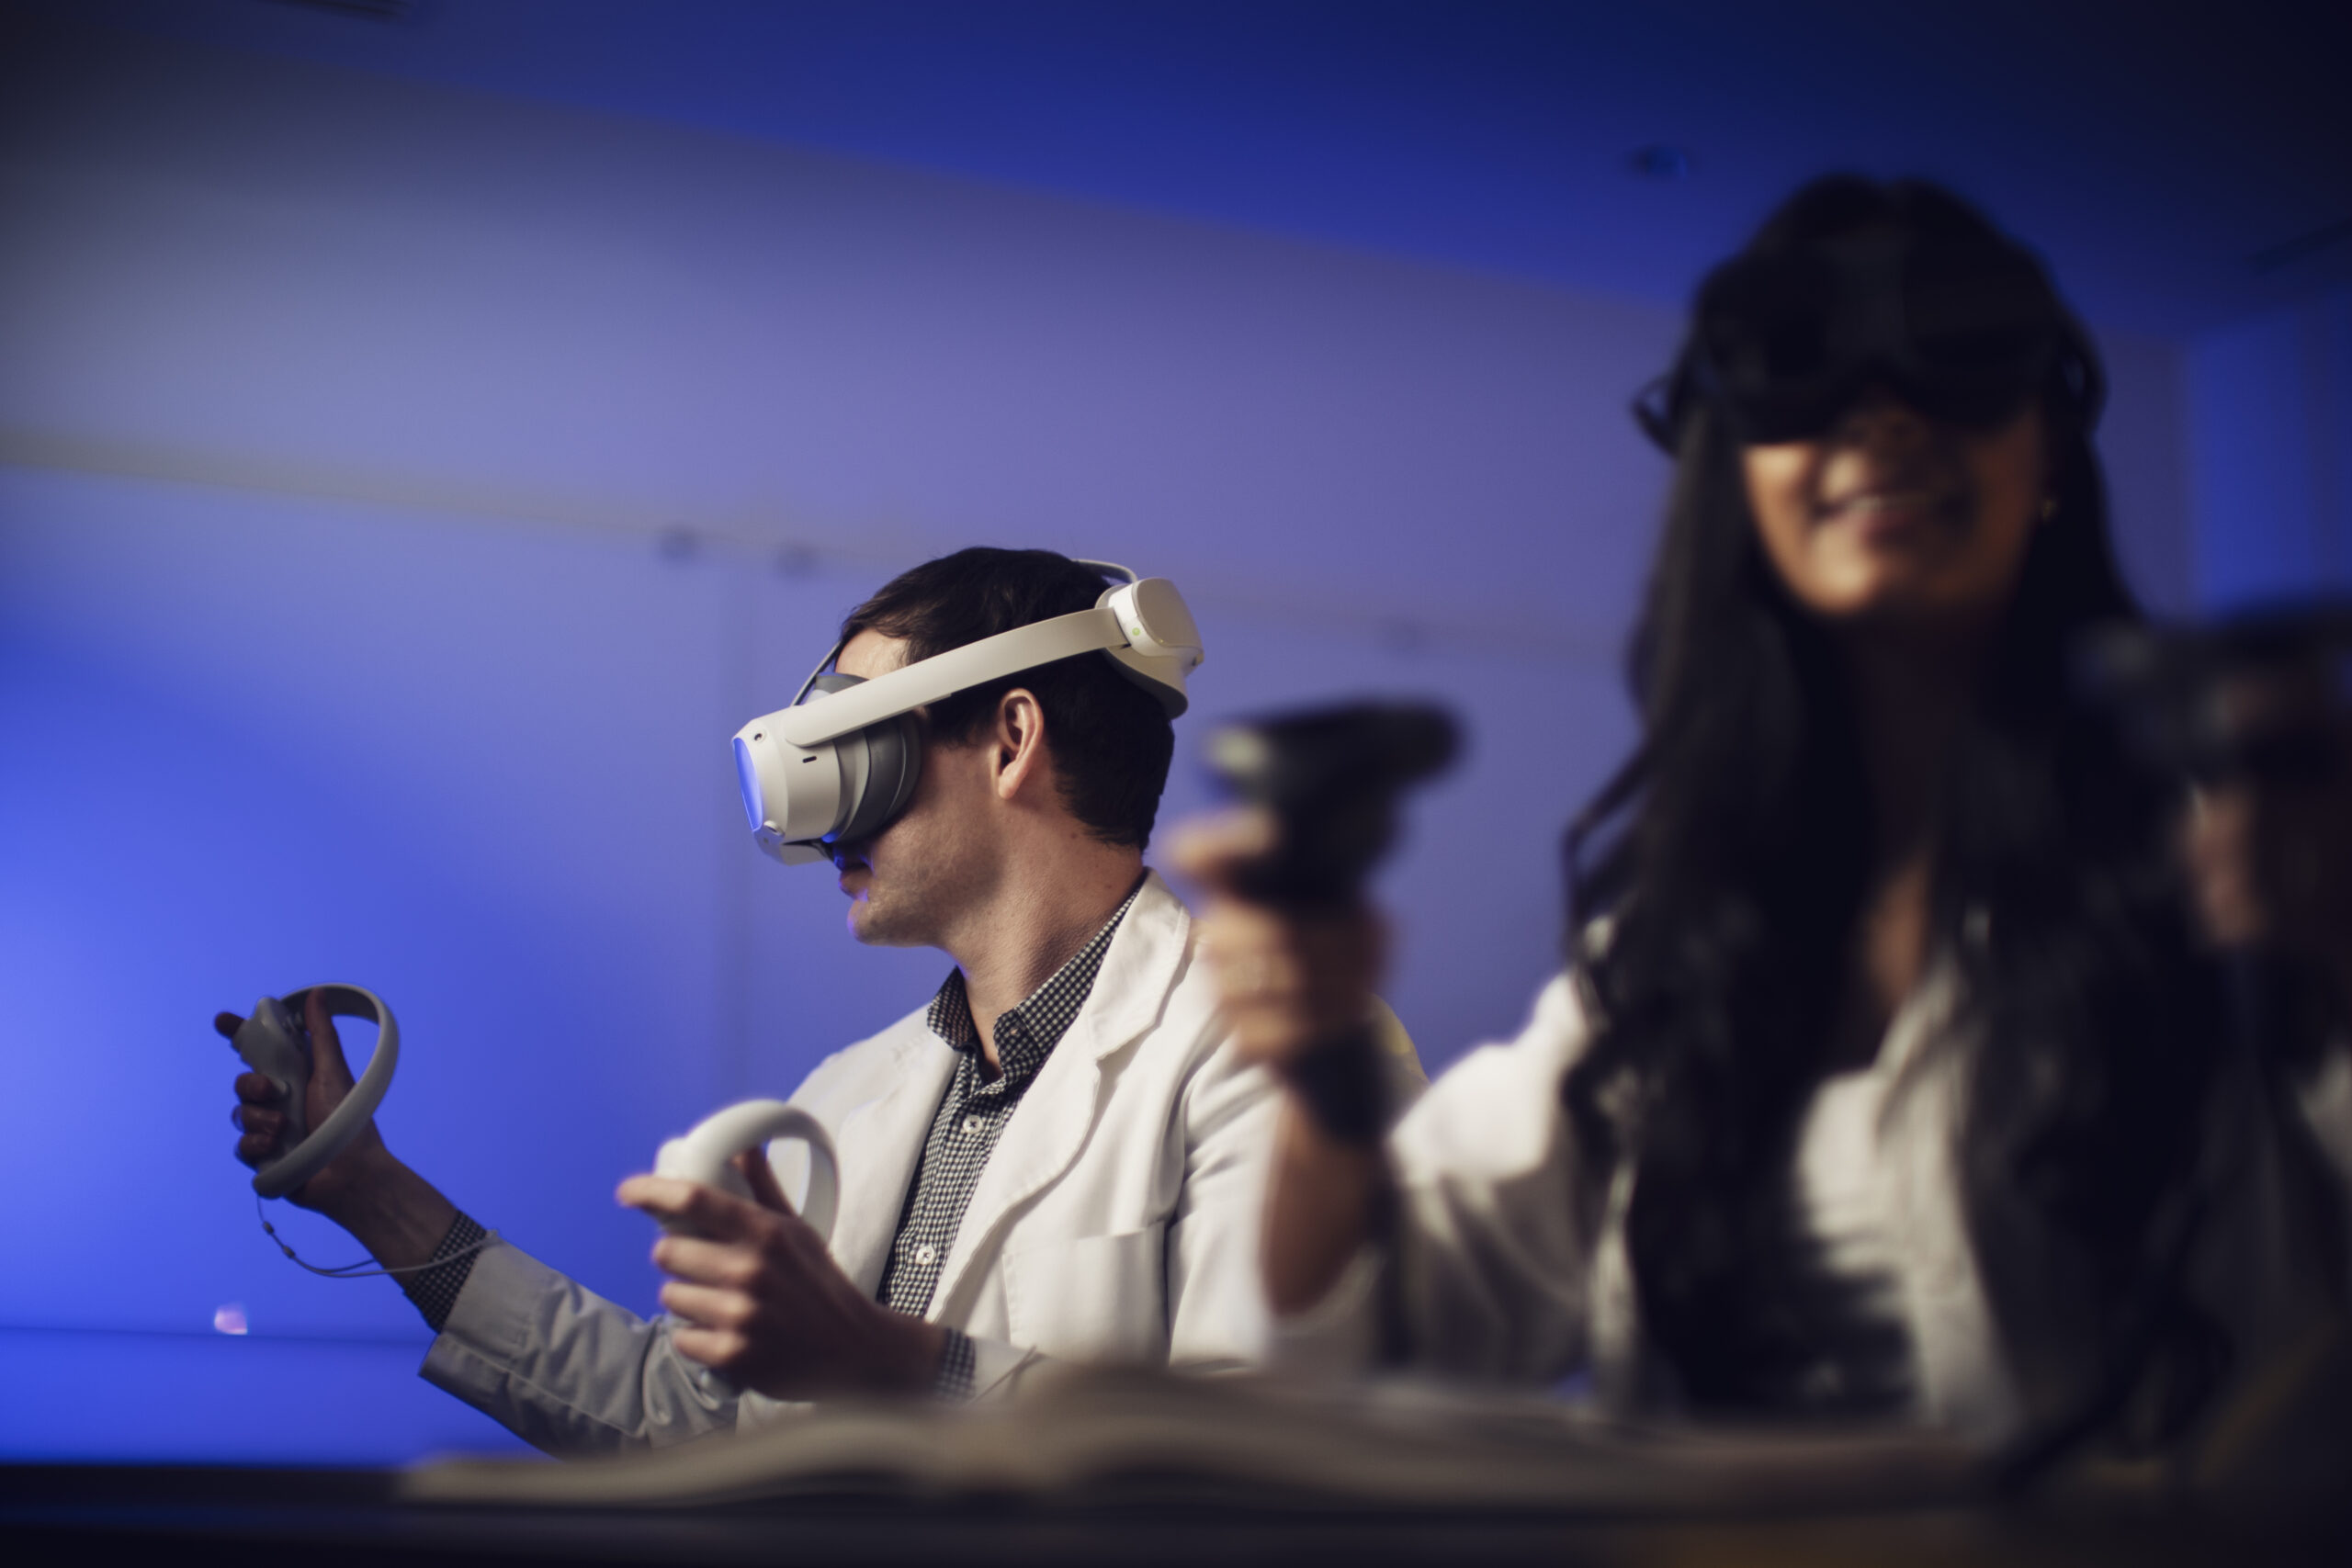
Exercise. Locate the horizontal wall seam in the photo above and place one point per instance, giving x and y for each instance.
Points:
(1392, 626)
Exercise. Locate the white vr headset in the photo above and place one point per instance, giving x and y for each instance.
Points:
(841, 759)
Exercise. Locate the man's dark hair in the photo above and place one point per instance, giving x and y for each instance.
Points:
(1111, 740)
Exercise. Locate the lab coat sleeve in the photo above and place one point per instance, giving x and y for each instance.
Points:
(2327, 1109)
(1216, 1311)
(2327, 1105)
(566, 1370)
(1493, 1260)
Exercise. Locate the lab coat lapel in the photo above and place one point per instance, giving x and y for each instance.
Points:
(879, 1143)
(1057, 1115)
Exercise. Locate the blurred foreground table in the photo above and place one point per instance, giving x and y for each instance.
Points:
(1106, 1467)
(351, 1518)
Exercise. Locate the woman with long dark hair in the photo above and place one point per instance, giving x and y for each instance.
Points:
(1887, 1074)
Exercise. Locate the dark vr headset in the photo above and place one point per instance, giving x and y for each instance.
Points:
(1965, 329)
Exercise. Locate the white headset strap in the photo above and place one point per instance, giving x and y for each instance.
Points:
(944, 674)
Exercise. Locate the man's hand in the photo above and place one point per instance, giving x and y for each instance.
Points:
(259, 1114)
(764, 1302)
(396, 1213)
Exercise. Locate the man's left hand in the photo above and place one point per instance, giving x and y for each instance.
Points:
(762, 1302)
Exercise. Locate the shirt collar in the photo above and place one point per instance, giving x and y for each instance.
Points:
(1026, 1034)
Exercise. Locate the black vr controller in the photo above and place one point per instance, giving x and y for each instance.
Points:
(2261, 698)
(1332, 778)
(2265, 697)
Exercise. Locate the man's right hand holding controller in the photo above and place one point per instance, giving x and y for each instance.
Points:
(396, 1214)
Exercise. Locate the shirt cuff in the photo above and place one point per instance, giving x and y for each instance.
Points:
(955, 1361)
(433, 1289)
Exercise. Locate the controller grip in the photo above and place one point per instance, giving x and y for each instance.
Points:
(273, 1043)
(706, 1154)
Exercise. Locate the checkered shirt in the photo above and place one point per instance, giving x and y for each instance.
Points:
(972, 1115)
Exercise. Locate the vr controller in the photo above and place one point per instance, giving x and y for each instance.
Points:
(274, 1043)
(1332, 778)
(707, 1154)
(2264, 695)
(2263, 698)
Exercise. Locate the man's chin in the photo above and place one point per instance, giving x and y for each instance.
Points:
(871, 927)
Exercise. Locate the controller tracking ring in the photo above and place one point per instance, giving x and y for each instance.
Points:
(269, 1050)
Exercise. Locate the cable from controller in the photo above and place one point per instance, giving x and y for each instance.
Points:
(360, 1271)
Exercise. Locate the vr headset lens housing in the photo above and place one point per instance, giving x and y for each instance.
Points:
(1963, 330)
(842, 790)
(747, 779)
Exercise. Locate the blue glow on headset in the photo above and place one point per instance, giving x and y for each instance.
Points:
(747, 775)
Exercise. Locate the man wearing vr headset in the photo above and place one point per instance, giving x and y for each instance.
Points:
(1053, 1158)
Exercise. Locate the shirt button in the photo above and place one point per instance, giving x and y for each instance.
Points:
(926, 1255)
(971, 1127)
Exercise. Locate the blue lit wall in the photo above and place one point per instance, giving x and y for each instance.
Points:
(2271, 409)
(403, 494)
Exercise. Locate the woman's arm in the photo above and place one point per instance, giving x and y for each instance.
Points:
(1474, 1207)
(1297, 990)
(1322, 1205)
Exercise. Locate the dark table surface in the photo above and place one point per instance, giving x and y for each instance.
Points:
(350, 1518)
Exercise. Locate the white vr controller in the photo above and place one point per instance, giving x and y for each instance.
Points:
(274, 1043)
(707, 1154)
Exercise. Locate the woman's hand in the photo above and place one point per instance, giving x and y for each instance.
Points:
(1290, 980)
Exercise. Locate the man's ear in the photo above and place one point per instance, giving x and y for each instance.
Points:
(1019, 758)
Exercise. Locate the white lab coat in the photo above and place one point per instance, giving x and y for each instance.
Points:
(1116, 1219)
(1507, 1267)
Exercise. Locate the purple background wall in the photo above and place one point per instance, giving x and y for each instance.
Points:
(2270, 412)
(405, 488)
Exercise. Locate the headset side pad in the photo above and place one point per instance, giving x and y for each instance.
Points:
(893, 764)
